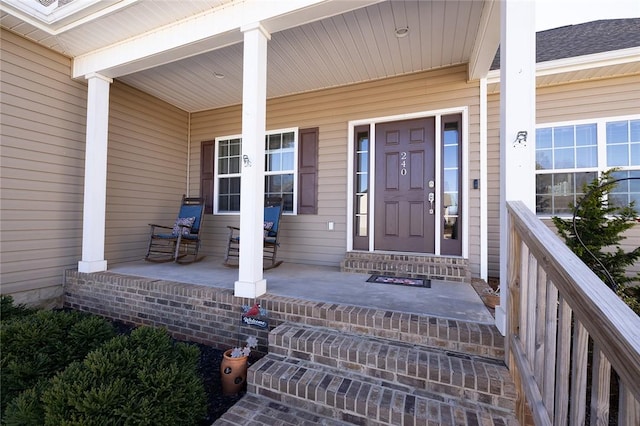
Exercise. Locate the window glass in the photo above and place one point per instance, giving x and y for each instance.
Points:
(626, 191)
(617, 132)
(280, 170)
(361, 208)
(568, 158)
(450, 182)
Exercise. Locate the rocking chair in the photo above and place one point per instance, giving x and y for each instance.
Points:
(273, 207)
(183, 239)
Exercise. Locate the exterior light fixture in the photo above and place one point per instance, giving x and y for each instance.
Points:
(402, 32)
(218, 75)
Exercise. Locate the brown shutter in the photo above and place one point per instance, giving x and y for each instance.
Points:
(308, 171)
(207, 162)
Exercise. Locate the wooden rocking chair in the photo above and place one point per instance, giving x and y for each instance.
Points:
(183, 239)
(273, 207)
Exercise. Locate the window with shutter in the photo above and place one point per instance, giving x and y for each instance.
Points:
(291, 170)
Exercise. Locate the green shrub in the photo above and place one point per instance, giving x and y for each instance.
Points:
(140, 379)
(9, 311)
(36, 346)
(595, 234)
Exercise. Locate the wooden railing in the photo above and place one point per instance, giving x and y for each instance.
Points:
(573, 346)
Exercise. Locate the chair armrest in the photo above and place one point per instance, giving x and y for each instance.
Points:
(153, 225)
(235, 228)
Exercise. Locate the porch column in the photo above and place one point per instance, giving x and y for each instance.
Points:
(517, 122)
(95, 175)
(250, 282)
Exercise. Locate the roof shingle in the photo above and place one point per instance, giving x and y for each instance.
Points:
(584, 39)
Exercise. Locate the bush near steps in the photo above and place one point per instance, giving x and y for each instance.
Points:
(68, 368)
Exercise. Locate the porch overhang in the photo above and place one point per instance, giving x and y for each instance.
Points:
(205, 32)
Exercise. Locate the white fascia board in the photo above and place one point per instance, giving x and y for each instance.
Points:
(578, 63)
(55, 20)
(205, 32)
(487, 41)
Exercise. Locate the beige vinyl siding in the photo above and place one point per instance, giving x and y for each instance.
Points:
(576, 101)
(305, 238)
(42, 167)
(493, 185)
(146, 169)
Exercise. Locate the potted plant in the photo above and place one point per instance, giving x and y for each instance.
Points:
(233, 369)
(491, 297)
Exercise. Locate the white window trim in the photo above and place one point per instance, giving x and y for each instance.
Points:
(601, 132)
(295, 131)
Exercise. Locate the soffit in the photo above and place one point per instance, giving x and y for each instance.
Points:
(359, 45)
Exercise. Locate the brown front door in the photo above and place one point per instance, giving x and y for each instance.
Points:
(405, 178)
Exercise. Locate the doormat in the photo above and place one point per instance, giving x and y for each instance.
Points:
(411, 282)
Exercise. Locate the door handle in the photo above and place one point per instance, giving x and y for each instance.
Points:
(431, 197)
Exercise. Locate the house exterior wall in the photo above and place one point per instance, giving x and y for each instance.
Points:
(305, 238)
(146, 169)
(43, 131)
(559, 103)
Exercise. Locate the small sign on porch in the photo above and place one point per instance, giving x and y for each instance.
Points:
(255, 316)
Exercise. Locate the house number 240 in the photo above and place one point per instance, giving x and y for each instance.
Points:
(403, 163)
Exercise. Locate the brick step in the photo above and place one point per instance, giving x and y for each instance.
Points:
(459, 336)
(258, 410)
(358, 399)
(483, 381)
(414, 266)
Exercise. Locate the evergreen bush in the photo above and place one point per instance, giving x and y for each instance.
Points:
(9, 310)
(37, 345)
(141, 379)
(594, 235)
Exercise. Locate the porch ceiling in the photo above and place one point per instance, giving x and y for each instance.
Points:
(356, 44)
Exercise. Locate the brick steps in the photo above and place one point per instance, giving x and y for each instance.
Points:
(259, 410)
(357, 399)
(446, 374)
(415, 266)
(459, 336)
(350, 378)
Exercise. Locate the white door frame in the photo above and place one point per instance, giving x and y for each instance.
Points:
(372, 122)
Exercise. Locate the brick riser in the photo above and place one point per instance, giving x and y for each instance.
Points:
(441, 375)
(329, 377)
(357, 399)
(414, 266)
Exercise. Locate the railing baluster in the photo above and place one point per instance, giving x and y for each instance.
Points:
(550, 354)
(539, 327)
(579, 372)
(600, 388)
(524, 294)
(532, 307)
(561, 414)
(629, 413)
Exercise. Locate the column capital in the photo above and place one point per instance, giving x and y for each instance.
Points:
(256, 26)
(99, 76)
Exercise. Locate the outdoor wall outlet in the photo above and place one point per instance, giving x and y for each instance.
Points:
(330, 226)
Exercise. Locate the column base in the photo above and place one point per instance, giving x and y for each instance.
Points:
(92, 266)
(249, 289)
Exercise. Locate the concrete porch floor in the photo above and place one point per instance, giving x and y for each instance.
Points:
(445, 299)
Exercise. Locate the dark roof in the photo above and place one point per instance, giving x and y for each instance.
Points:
(584, 39)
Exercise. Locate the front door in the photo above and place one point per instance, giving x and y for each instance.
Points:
(405, 186)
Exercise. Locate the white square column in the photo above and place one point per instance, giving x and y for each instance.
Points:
(517, 122)
(95, 175)
(250, 282)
